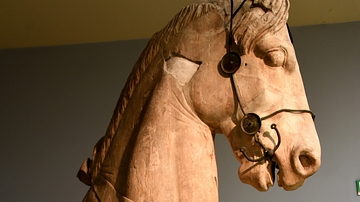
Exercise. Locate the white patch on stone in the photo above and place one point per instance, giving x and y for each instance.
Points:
(181, 69)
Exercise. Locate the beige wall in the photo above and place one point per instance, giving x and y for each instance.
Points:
(48, 23)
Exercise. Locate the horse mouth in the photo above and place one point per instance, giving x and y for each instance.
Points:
(273, 168)
(280, 178)
(263, 175)
(291, 187)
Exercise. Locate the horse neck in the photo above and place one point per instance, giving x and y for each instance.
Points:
(163, 147)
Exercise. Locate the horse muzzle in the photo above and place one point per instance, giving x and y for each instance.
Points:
(251, 123)
(304, 160)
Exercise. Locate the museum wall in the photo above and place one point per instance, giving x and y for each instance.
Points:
(56, 102)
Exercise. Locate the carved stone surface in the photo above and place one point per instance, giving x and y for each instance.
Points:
(159, 145)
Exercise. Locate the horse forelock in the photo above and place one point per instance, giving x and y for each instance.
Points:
(251, 27)
(154, 46)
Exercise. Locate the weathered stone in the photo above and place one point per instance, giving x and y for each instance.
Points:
(159, 145)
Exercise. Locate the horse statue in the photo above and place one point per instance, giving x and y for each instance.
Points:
(218, 67)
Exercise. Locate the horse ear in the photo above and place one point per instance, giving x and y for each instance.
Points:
(230, 63)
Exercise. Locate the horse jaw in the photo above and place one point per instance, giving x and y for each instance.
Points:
(260, 176)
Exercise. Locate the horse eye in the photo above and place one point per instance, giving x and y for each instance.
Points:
(275, 58)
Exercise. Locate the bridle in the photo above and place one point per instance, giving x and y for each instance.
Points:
(250, 123)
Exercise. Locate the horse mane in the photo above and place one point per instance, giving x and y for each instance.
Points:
(154, 46)
(252, 27)
(183, 18)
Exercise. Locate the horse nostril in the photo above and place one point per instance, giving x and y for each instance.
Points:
(307, 161)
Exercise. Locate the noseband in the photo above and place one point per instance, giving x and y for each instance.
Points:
(250, 123)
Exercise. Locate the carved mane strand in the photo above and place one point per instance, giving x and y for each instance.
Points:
(182, 19)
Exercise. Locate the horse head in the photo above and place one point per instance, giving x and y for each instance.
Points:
(217, 67)
(257, 99)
